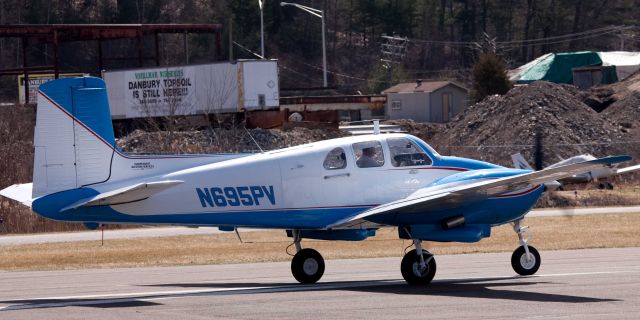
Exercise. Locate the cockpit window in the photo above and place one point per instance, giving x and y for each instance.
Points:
(405, 153)
(336, 159)
(368, 154)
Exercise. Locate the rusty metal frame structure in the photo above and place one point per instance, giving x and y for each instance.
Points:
(56, 34)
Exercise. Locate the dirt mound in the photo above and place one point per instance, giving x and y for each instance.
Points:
(626, 86)
(626, 112)
(601, 97)
(501, 125)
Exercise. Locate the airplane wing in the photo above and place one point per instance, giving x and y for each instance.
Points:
(628, 169)
(126, 194)
(456, 193)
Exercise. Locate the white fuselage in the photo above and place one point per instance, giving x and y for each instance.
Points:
(286, 179)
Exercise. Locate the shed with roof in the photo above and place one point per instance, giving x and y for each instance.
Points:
(426, 101)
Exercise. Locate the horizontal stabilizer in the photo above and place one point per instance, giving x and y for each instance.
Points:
(19, 192)
(123, 195)
(519, 162)
(628, 169)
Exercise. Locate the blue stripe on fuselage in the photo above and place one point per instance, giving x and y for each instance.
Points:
(489, 211)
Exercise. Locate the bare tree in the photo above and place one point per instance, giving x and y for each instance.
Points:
(223, 95)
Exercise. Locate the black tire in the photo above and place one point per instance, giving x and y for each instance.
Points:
(520, 266)
(409, 267)
(307, 266)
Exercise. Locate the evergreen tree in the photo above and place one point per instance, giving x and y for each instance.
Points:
(489, 77)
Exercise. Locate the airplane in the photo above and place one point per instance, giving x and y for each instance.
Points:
(584, 177)
(321, 190)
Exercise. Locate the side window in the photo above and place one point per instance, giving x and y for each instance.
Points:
(368, 154)
(336, 159)
(405, 153)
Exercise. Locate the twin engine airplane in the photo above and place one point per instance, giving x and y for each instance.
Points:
(340, 189)
(596, 175)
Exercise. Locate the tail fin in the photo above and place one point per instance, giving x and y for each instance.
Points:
(519, 162)
(74, 141)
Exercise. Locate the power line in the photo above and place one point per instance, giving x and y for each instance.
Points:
(556, 39)
(300, 74)
(248, 50)
(567, 40)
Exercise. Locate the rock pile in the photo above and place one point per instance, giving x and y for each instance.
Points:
(501, 125)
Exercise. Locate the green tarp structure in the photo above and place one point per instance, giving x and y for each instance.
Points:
(557, 67)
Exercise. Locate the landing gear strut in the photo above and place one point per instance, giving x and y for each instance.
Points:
(525, 260)
(418, 269)
(307, 265)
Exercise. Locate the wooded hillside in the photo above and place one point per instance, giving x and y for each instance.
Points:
(441, 34)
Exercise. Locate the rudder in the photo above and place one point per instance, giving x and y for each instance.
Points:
(74, 141)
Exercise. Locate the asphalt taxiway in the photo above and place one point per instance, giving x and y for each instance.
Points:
(575, 284)
(181, 231)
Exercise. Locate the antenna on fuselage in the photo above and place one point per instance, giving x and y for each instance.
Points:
(376, 126)
(254, 140)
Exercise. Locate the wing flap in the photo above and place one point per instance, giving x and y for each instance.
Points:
(126, 194)
(453, 194)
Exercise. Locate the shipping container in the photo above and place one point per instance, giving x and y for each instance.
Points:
(227, 87)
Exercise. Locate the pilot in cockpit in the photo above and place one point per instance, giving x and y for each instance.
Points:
(367, 159)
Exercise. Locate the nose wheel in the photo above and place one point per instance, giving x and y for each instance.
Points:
(418, 269)
(524, 264)
(525, 260)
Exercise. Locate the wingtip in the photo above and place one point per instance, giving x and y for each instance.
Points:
(616, 159)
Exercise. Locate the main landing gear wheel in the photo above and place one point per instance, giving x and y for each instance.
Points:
(524, 264)
(413, 272)
(307, 266)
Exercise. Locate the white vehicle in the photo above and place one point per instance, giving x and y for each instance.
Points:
(323, 190)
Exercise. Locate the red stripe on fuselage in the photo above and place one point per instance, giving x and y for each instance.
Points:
(434, 168)
(519, 193)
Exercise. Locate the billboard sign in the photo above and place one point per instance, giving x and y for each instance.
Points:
(35, 80)
(195, 89)
(159, 92)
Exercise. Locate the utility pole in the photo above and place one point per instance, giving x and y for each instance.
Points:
(393, 49)
(320, 14)
(261, 5)
(231, 38)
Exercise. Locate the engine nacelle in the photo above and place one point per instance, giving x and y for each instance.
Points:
(435, 232)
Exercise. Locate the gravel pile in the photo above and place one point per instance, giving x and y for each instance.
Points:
(626, 112)
(501, 125)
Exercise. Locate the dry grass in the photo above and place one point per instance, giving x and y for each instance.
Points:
(629, 195)
(551, 233)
